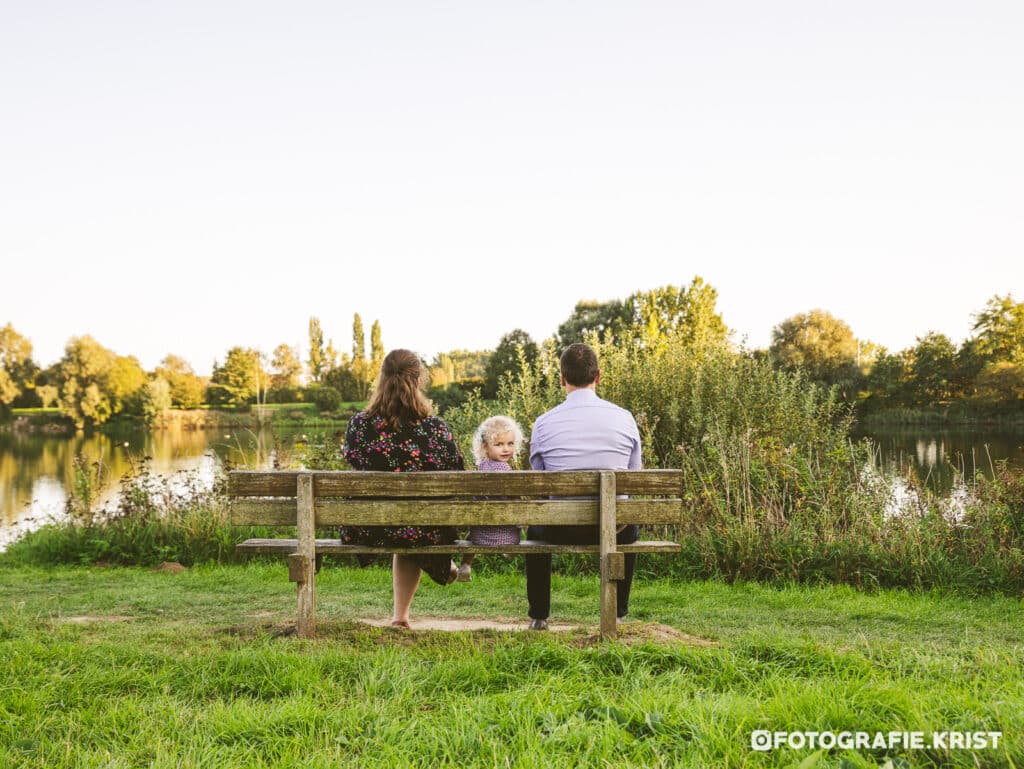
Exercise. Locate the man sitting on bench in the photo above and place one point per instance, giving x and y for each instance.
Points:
(584, 432)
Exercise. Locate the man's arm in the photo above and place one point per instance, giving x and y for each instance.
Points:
(537, 448)
(635, 456)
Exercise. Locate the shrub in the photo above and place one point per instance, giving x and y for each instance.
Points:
(455, 394)
(284, 394)
(326, 398)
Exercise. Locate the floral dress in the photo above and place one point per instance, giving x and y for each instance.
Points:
(370, 444)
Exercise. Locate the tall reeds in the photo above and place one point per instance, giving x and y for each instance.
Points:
(774, 487)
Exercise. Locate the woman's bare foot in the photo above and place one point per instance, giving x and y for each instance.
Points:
(403, 623)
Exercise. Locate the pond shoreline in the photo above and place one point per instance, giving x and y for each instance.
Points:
(952, 415)
(52, 422)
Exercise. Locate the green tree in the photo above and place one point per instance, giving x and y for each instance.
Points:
(17, 370)
(286, 368)
(47, 385)
(606, 319)
(999, 330)
(186, 387)
(887, 379)
(316, 350)
(8, 391)
(84, 372)
(442, 371)
(359, 366)
(1001, 383)
(48, 395)
(235, 383)
(124, 385)
(819, 344)
(330, 359)
(970, 361)
(358, 338)
(458, 366)
(376, 349)
(672, 315)
(515, 350)
(156, 398)
(932, 368)
(343, 380)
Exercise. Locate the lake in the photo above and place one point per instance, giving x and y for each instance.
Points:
(36, 470)
(938, 456)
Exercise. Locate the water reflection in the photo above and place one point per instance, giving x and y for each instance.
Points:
(37, 470)
(939, 458)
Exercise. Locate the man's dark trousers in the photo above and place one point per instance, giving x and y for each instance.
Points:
(538, 567)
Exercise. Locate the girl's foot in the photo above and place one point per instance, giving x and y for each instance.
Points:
(465, 573)
(402, 623)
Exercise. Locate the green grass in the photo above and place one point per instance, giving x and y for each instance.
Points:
(128, 667)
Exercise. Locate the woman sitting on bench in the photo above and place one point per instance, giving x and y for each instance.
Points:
(398, 433)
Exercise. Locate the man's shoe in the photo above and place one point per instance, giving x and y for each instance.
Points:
(539, 624)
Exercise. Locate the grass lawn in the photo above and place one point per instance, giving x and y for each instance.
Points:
(104, 667)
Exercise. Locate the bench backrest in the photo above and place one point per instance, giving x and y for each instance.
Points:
(523, 497)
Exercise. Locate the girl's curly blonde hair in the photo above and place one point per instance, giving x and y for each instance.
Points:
(492, 427)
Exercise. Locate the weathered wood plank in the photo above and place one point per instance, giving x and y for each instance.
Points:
(566, 512)
(453, 484)
(452, 512)
(607, 552)
(248, 483)
(287, 546)
(263, 512)
(306, 550)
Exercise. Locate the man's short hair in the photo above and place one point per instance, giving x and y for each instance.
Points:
(579, 364)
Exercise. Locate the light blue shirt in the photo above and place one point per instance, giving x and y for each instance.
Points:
(585, 432)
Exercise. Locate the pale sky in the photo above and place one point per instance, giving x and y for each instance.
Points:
(184, 177)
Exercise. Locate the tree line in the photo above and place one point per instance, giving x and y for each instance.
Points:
(90, 383)
(986, 371)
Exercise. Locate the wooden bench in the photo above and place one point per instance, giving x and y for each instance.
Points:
(307, 500)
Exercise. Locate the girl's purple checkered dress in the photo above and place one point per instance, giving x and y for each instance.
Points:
(494, 535)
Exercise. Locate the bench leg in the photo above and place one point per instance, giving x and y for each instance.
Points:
(302, 572)
(613, 569)
(307, 606)
(608, 607)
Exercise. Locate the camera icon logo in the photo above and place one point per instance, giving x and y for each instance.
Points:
(761, 739)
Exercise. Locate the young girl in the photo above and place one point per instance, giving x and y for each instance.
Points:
(496, 442)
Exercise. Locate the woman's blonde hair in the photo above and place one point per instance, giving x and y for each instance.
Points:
(398, 398)
(492, 427)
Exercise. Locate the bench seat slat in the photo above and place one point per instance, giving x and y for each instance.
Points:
(286, 546)
(563, 512)
(447, 484)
